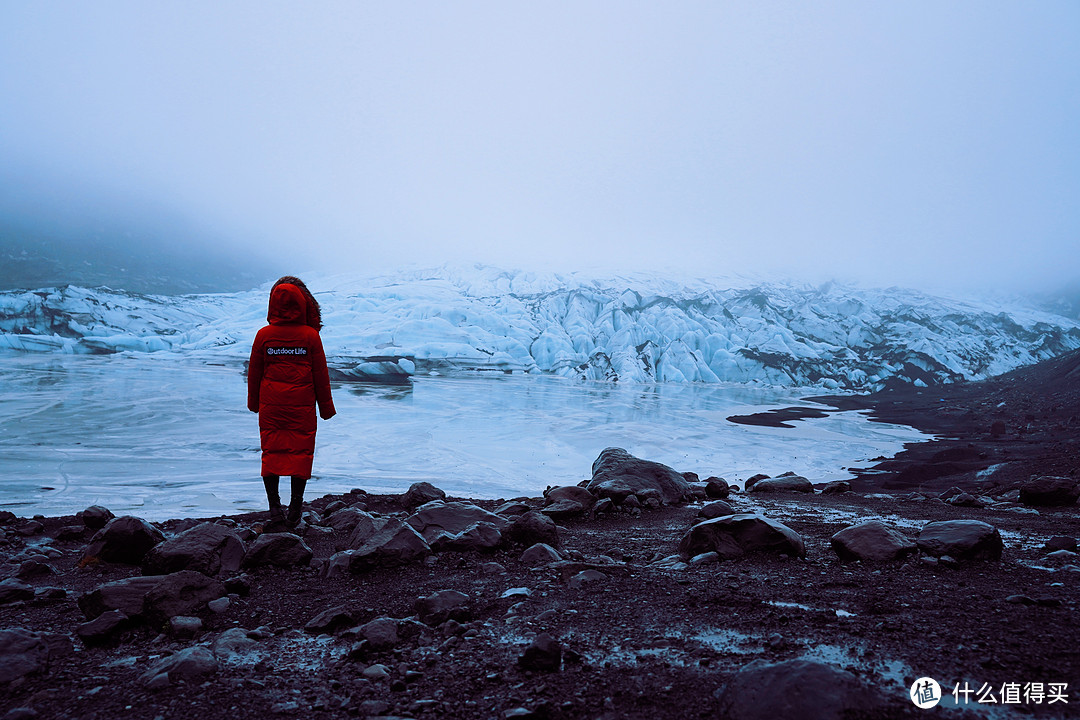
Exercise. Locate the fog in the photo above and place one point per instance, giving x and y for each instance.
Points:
(930, 144)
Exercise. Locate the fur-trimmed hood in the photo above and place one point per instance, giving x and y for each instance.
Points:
(314, 314)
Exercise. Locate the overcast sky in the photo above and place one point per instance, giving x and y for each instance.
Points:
(913, 142)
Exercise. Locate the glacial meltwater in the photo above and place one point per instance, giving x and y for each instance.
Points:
(161, 435)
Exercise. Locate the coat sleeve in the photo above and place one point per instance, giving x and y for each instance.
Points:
(255, 372)
(321, 377)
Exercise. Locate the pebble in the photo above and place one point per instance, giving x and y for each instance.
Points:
(376, 672)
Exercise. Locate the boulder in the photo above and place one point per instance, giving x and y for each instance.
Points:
(125, 539)
(441, 606)
(540, 554)
(784, 483)
(836, 487)
(716, 509)
(421, 493)
(872, 541)
(544, 653)
(717, 488)
(231, 644)
(187, 664)
(330, 621)
(586, 577)
(1060, 542)
(513, 507)
(344, 520)
(365, 527)
(278, 549)
(1049, 491)
(207, 548)
(638, 474)
(564, 509)
(103, 629)
(380, 633)
(961, 540)
(127, 596)
(531, 528)
(569, 492)
(451, 518)
(185, 626)
(614, 490)
(754, 480)
(478, 536)
(396, 543)
(15, 590)
(95, 517)
(22, 652)
(180, 593)
(733, 535)
(793, 690)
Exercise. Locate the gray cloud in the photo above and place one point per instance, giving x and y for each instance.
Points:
(917, 144)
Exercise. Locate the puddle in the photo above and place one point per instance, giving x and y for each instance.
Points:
(839, 612)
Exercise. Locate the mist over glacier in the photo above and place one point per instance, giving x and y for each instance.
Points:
(632, 328)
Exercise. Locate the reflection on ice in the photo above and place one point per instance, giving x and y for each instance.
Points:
(162, 436)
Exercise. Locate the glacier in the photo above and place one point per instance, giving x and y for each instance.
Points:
(626, 328)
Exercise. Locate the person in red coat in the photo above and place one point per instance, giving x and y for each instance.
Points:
(287, 378)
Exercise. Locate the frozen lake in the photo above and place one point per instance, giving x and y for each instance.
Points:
(164, 435)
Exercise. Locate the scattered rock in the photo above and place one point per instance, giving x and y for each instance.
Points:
(540, 554)
(396, 543)
(637, 474)
(344, 521)
(207, 548)
(15, 590)
(795, 689)
(512, 508)
(603, 505)
(733, 535)
(127, 595)
(330, 621)
(836, 487)
(185, 626)
(1060, 542)
(1049, 491)
(125, 539)
(421, 493)
(531, 528)
(569, 492)
(961, 540)
(614, 490)
(187, 664)
(451, 518)
(381, 633)
(784, 483)
(437, 608)
(22, 652)
(278, 549)
(717, 488)
(104, 628)
(544, 653)
(753, 480)
(716, 509)
(180, 593)
(872, 541)
(95, 517)
(478, 536)
(586, 577)
(232, 643)
(365, 528)
(564, 509)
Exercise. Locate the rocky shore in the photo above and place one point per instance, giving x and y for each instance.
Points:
(643, 593)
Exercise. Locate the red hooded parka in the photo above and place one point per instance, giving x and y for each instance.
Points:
(287, 376)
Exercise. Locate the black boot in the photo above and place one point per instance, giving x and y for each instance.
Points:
(277, 515)
(296, 503)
